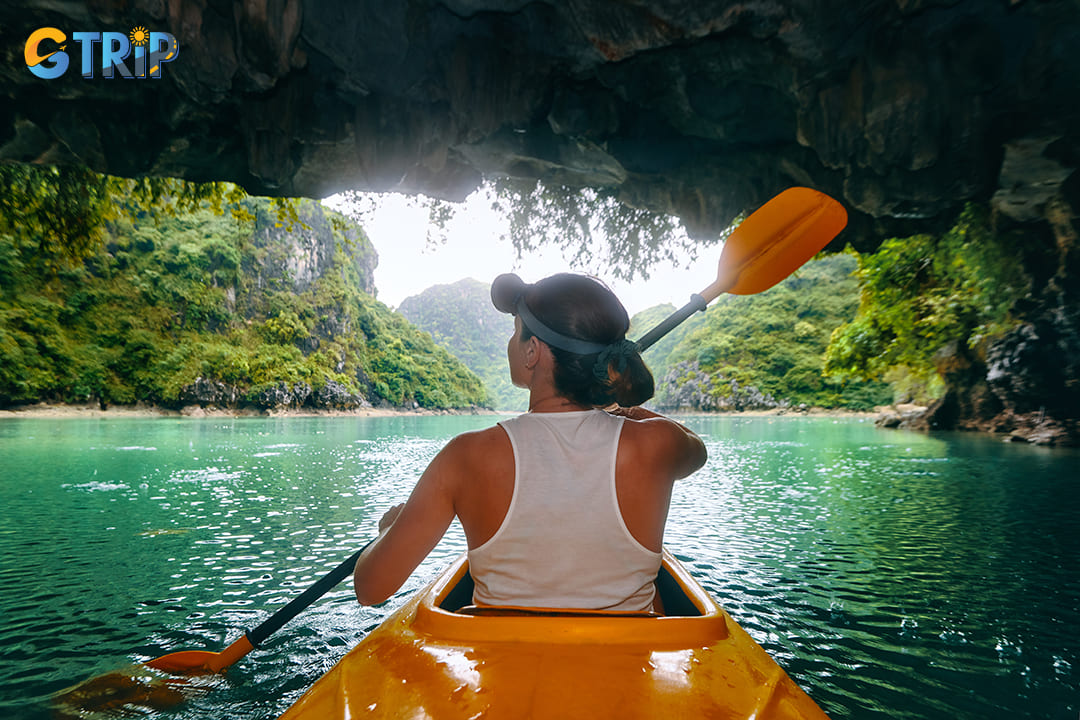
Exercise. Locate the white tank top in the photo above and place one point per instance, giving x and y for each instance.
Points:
(563, 542)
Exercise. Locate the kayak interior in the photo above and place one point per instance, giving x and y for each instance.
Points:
(458, 598)
(437, 656)
(444, 611)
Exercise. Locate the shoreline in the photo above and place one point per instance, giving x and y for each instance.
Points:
(93, 410)
(788, 412)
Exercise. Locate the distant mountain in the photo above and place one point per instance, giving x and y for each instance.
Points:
(461, 318)
(761, 351)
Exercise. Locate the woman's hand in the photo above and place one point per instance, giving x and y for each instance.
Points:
(688, 451)
(389, 517)
(633, 413)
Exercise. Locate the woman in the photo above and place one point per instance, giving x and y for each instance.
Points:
(565, 506)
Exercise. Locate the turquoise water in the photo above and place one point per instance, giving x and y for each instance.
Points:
(892, 574)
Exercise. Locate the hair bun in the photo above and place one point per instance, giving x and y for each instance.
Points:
(505, 291)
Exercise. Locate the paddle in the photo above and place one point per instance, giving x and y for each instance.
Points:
(187, 661)
(764, 249)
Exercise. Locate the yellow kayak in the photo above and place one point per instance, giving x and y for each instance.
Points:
(439, 657)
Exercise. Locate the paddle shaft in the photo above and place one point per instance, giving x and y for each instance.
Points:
(696, 304)
(764, 249)
(767, 247)
(273, 623)
(206, 661)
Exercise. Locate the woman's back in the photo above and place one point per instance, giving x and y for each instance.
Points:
(563, 542)
(565, 506)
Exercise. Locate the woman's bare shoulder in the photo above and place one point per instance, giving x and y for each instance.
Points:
(475, 443)
(658, 439)
(656, 426)
(473, 458)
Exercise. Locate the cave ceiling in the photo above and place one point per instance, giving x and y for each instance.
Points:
(903, 110)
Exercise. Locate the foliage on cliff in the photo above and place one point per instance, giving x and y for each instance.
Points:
(762, 351)
(461, 318)
(923, 292)
(63, 211)
(173, 303)
(592, 228)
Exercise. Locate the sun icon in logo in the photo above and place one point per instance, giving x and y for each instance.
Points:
(139, 36)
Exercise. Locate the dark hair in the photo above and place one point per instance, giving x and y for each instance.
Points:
(582, 307)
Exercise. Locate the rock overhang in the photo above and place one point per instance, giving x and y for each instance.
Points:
(902, 110)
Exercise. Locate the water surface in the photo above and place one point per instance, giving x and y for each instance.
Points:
(892, 574)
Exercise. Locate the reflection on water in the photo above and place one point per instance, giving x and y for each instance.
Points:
(892, 575)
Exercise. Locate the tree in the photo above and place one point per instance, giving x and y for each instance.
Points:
(54, 216)
(922, 292)
(59, 213)
(594, 229)
(163, 304)
(763, 350)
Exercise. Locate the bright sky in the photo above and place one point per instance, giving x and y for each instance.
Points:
(407, 265)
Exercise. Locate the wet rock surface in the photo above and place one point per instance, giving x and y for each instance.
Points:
(903, 110)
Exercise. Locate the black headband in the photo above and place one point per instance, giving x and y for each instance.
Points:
(508, 295)
(555, 339)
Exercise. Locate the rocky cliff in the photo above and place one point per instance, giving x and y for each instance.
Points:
(902, 109)
(189, 309)
(300, 250)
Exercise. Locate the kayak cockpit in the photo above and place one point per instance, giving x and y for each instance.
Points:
(690, 616)
(674, 598)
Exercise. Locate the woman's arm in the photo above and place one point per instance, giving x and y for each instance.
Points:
(409, 532)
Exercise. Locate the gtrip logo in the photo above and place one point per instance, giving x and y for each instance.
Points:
(48, 54)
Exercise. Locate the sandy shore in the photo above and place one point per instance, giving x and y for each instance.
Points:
(93, 410)
(810, 412)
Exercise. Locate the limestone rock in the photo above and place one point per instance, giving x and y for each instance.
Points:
(301, 252)
(334, 395)
(688, 387)
(282, 397)
(205, 392)
(904, 111)
(901, 110)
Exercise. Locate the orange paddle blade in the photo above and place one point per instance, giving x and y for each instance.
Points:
(187, 662)
(132, 691)
(776, 240)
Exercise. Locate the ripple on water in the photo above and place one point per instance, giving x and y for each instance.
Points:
(891, 575)
(96, 486)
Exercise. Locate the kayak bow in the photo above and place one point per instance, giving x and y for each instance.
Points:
(439, 657)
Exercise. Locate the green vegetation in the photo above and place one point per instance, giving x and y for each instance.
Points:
(167, 301)
(165, 292)
(765, 350)
(595, 229)
(921, 293)
(829, 337)
(62, 211)
(592, 227)
(461, 318)
(747, 352)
